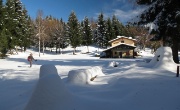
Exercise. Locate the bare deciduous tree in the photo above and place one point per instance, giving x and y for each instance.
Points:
(40, 25)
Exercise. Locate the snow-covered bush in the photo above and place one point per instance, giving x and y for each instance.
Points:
(83, 76)
(113, 64)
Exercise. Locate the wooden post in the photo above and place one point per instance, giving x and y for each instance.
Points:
(177, 75)
(133, 53)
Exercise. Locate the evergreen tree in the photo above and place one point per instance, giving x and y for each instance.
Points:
(3, 35)
(116, 28)
(28, 33)
(64, 40)
(16, 22)
(10, 24)
(23, 26)
(162, 14)
(123, 30)
(73, 31)
(25, 30)
(1, 16)
(2, 39)
(60, 32)
(4, 43)
(101, 31)
(82, 34)
(87, 33)
(109, 32)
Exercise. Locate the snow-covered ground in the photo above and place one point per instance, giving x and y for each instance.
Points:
(64, 82)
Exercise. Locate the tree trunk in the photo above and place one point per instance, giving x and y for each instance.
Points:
(56, 49)
(43, 46)
(24, 49)
(39, 45)
(17, 50)
(88, 49)
(74, 51)
(175, 50)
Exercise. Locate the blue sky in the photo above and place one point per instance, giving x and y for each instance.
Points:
(90, 8)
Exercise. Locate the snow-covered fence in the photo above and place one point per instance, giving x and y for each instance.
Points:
(84, 76)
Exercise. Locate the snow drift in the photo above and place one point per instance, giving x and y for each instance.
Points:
(163, 59)
(50, 92)
(84, 76)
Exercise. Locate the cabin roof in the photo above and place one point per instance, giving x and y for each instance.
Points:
(120, 45)
(119, 37)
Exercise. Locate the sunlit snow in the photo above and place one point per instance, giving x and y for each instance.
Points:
(64, 82)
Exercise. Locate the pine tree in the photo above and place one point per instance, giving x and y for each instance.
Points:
(163, 16)
(109, 32)
(4, 43)
(63, 39)
(123, 30)
(116, 28)
(3, 37)
(119, 28)
(10, 24)
(16, 22)
(87, 33)
(101, 31)
(23, 26)
(19, 22)
(25, 29)
(2, 15)
(73, 31)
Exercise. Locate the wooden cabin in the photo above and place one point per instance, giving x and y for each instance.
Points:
(121, 47)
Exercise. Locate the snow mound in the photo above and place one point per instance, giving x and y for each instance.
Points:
(113, 64)
(84, 76)
(163, 59)
(47, 70)
(50, 92)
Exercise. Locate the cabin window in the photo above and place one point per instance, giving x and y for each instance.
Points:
(122, 41)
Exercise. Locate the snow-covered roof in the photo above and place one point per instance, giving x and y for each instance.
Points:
(118, 37)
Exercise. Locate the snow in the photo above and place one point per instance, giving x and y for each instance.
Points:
(83, 76)
(163, 59)
(113, 64)
(49, 92)
(63, 82)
